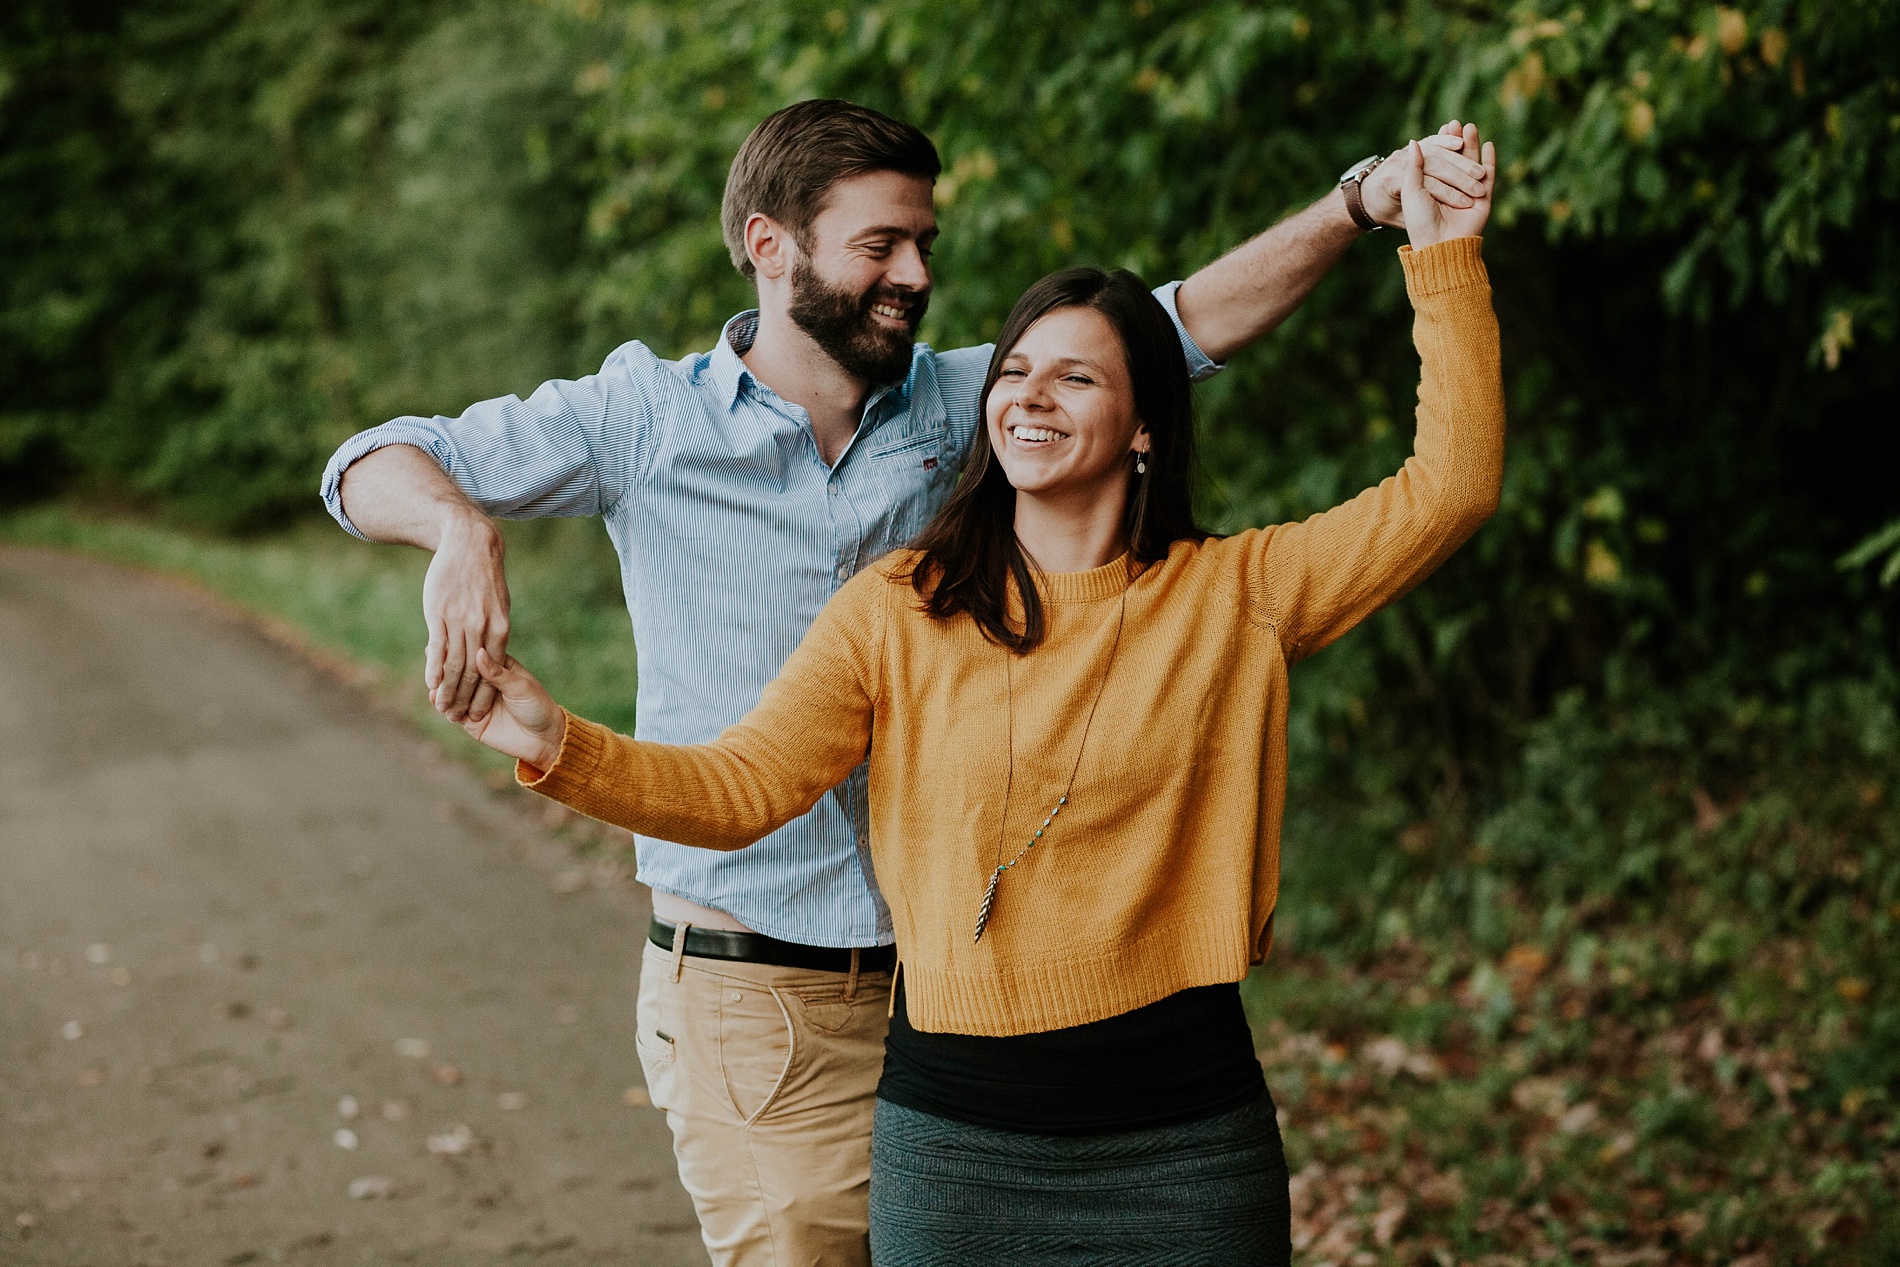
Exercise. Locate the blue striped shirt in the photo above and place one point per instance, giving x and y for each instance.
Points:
(732, 533)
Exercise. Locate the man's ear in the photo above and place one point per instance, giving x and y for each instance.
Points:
(769, 246)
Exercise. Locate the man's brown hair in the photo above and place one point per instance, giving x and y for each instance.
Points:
(792, 159)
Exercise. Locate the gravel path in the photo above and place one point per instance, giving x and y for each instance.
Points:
(261, 947)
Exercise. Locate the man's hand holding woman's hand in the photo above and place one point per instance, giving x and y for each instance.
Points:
(1429, 217)
(465, 606)
(1453, 170)
(524, 722)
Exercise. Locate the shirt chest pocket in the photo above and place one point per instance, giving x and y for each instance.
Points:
(915, 445)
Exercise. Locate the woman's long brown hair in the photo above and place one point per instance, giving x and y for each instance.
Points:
(969, 555)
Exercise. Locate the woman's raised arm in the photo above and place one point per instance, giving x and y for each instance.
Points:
(1314, 580)
(811, 727)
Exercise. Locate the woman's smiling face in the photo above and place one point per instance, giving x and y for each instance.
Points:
(1061, 415)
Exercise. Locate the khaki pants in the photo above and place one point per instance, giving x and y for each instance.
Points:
(768, 1077)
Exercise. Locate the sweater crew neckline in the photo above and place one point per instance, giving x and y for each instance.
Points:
(1107, 581)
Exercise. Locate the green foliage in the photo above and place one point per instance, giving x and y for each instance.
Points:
(247, 230)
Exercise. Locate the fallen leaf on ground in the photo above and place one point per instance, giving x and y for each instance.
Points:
(395, 1110)
(72, 1030)
(1385, 1224)
(345, 1138)
(637, 1097)
(511, 1101)
(1541, 1095)
(372, 1188)
(447, 1075)
(1579, 1117)
(348, 1108)
(413, 1048)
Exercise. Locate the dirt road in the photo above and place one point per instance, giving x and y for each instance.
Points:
(261, 947)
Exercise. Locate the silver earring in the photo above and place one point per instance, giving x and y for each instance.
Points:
(1141, 464)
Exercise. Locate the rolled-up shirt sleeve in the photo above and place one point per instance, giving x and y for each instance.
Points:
(573, 448)
(1200, 367)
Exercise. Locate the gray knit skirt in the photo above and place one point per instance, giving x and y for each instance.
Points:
(1211, 1193)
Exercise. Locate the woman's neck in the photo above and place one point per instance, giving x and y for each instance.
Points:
(1071, 534)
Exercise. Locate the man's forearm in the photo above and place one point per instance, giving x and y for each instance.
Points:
(399, 494)
(1257, 285)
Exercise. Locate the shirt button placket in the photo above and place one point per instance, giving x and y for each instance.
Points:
(842, 537)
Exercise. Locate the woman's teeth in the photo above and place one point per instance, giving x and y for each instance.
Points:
(1035, 433)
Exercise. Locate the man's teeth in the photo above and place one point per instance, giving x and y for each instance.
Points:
(1035, 433)
(886, 310)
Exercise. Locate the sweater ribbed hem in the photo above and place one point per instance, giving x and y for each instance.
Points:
(1449, 265)
(582, 748)
(1031, 998)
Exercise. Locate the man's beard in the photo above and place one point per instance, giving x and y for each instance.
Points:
(842, 324)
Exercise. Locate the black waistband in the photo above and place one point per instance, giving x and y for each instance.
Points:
(1187, 1057)
(720, 943)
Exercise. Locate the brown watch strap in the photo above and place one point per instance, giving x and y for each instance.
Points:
(1356, 206)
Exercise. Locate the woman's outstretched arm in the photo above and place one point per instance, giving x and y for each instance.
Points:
(811, 727)
(1314, 580)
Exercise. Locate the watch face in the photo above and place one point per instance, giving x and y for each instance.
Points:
(1360, 168)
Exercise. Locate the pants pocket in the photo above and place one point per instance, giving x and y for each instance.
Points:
(656, 1034)
(756, 1046)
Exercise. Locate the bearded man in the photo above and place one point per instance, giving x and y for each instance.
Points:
(741, 488)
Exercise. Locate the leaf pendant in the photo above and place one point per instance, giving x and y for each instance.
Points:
(989, 900)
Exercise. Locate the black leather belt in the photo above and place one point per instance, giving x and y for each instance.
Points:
(720, 943)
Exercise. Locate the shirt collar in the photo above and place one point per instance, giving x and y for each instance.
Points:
(730, 375)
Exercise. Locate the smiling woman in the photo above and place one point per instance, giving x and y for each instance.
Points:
(1086, 451)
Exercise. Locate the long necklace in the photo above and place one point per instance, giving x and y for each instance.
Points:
(996, 876)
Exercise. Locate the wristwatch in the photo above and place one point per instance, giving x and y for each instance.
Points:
(1349, 182)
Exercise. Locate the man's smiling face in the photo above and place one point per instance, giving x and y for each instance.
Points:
(861, 282)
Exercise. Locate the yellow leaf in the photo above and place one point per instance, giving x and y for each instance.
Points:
(1600, 566)
(1640, 121)
(1731, 30)
(1774, 46)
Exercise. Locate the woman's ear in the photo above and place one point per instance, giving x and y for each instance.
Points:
(1142, 443)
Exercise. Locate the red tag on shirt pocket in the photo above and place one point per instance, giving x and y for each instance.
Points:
(930, 464)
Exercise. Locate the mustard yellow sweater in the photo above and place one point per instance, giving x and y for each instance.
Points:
(1162, 870)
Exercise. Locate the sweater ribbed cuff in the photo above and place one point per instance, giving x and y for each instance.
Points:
(581, 750)
(1444, 266)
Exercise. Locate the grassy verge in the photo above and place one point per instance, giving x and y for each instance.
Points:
(1646, 1013)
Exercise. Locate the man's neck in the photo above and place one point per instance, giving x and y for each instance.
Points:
(785, 358)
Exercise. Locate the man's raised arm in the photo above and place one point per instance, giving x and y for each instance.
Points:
(1246, 293)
